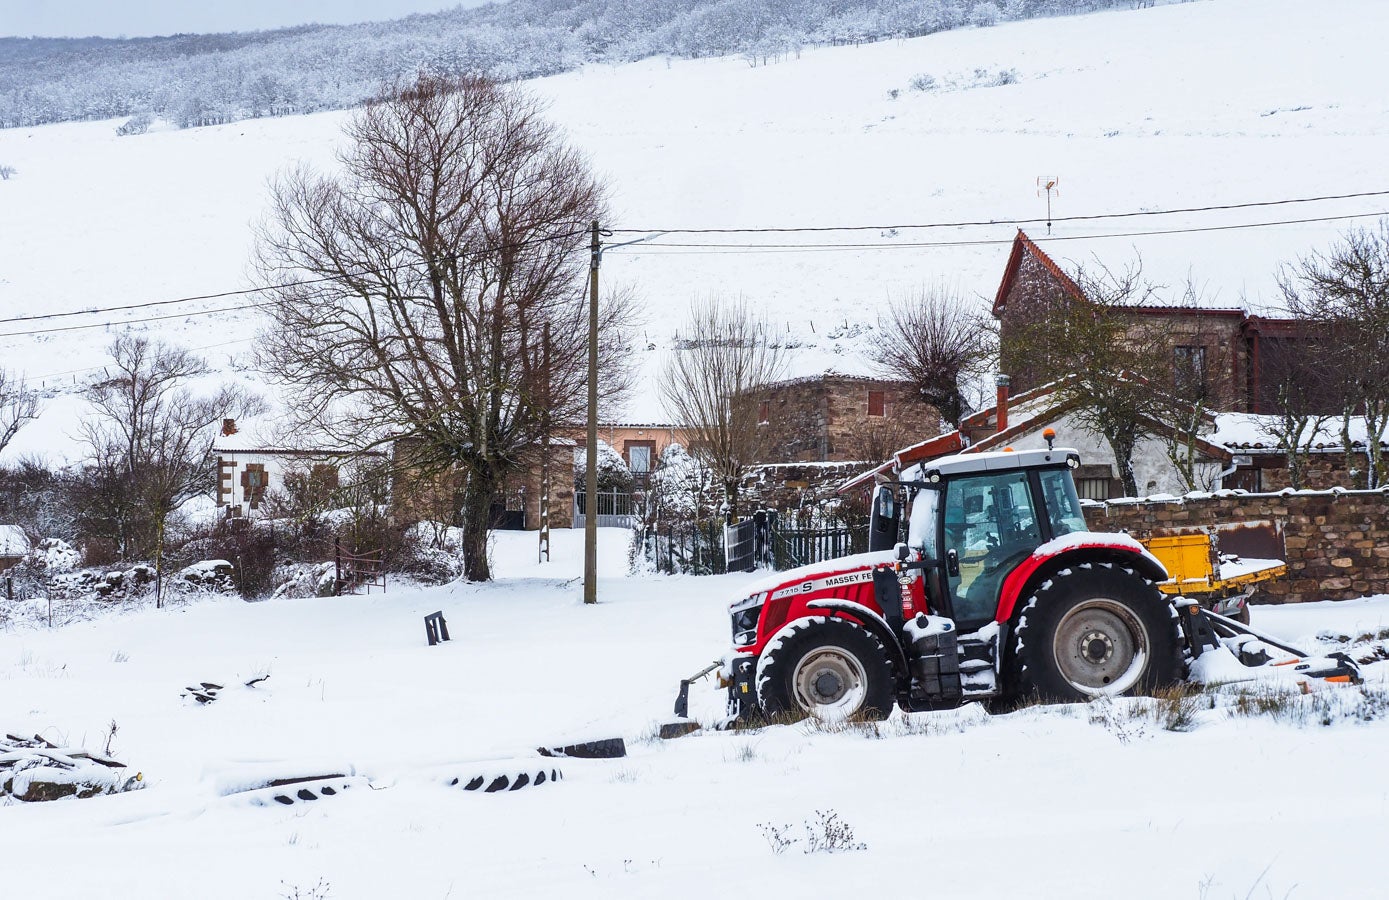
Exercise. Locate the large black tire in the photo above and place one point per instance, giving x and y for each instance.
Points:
(1094, 630)
(832, 669)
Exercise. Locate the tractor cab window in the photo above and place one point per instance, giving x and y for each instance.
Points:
(921, 527)
(1063, 507)
(992, 526)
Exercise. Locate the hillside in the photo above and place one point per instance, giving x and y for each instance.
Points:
(1188, 105)
(201, 79)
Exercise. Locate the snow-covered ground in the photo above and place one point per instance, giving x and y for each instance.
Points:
(1075, 801)
(1182, 105)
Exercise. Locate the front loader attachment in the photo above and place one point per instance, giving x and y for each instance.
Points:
(1206, 632)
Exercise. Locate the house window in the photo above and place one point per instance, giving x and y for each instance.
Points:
(877, 402)
(764, 412)
(639, 459)
(1244, 479)
(1092, 488)
(253, 483)
(1189, 371)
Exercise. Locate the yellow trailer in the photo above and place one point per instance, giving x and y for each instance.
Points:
(1201, 572)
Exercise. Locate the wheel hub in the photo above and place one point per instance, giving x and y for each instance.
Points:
(830, 682)
(1101, 647)
(828, 686)
(1098, 647)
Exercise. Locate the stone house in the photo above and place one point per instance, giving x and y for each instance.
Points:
(1020, 421)
(833, 417)
(250, 471)
(640, 444)
(1233, 357)
(14, 546)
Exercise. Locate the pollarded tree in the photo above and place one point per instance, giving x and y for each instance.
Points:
(709, 387)
(938, 341)
(410, 293)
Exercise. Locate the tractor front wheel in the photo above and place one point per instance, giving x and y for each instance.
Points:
(1092, 631)
(832, 669)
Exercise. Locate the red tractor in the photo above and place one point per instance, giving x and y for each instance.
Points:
(996, 592)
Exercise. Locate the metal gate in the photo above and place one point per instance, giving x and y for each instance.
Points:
(615, 509)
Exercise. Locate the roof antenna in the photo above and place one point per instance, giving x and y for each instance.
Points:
(1048, 183)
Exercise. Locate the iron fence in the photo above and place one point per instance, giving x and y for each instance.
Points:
(615, 509)
(758, 542)
(696, 548)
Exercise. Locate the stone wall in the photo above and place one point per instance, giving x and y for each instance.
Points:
(1337, 542)
(802, 490)
(1322, 470)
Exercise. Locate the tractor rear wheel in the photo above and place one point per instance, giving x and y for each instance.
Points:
(832, 669)
(1095, 630)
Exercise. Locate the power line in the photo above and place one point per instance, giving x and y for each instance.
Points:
(30, 379)
(701, 249)
(1010, 221)
(676, 249)
(182, 315)
(222, 295)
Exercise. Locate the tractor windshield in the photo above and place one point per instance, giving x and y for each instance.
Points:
(1063, 507)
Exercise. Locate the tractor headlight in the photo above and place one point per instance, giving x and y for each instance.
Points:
(745, 614)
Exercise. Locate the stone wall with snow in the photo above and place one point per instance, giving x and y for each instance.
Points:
(1337, 542)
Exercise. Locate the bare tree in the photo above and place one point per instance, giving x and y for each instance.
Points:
(1106, 359)
(709, 388)
(1345, 290)
(940, 342)
(150, 438)
(1300, 382)
(873, 440)
(6, 172)
(18, 406)
(410, 293)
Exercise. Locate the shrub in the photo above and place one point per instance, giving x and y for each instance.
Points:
(136, 124)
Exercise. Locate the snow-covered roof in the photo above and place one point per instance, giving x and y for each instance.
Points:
(13, 541)
(1254, 433)
(263, 437)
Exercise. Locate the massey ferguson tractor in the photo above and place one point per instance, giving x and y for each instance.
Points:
(996, 592)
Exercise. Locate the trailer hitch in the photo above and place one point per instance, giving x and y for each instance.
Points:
(682, 699)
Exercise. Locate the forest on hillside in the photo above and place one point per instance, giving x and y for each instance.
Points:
(207, 79)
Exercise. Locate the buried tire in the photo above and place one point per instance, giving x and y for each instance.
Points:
(1095, 631)
(832, 669)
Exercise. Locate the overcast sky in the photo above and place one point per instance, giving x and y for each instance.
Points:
(141, 18)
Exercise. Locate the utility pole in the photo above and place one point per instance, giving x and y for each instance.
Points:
(591, 466)
(545, 452)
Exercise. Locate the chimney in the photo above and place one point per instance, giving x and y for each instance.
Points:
(228, 427)
(1001, 383)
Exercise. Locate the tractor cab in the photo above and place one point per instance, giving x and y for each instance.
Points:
(972, 520)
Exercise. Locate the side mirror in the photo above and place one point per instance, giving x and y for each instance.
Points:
(903, 552)
(882, 522)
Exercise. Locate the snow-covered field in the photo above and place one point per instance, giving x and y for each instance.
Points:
(1182, 105)
(1197, 104)
(1076, 801)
